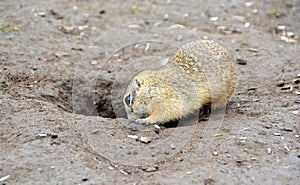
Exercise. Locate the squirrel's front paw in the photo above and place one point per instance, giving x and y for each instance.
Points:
(145, 121)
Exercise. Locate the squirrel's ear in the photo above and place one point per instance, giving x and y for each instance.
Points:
(137, 83)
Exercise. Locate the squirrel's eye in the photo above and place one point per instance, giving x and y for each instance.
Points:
(127, 100)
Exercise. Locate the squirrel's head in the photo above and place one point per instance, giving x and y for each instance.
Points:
(144, 93)
(136, 99)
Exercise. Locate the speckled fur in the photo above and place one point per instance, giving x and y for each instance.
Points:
(199, 73)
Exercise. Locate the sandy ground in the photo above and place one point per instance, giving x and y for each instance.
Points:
(64, 66)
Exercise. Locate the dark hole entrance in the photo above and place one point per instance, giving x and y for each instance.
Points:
(94, 99)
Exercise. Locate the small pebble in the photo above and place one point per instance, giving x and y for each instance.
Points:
(61, 54)
(243, 138)
(297, 81)
(239, 162)
(166, 17)
(67, 29)
(4, 178)
(269, 150)
(147, 46)
(290, 34)
(223, 171)
(288, 39)
(235, 30)
(84, 179)
(247, 25)
(246, 129)
(281, 27)
(155, 35)
(252, 89)
(134, 26)
(157, 127)
(180, 158)
(83, 27)
(133, 136)
(42, 135)
(145, 140)
(295, 112)
(287, 129)
(94, 62)
(173, 147)
(214, 19)
(286, 88)
(280, 84)
(81, 34)
(248, 4)
(215, 153)
(241, 61)
(253, 50)
(175, 26)
(122, 171)
(53, 135)
(42, 14)
(276, 134)
(111, 168)
(150, 169)
(287, 148)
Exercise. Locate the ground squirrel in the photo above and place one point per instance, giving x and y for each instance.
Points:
(200, 73)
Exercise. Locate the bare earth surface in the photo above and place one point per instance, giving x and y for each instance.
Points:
(64, 66)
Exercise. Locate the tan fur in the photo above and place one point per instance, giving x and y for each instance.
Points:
(199, 73)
